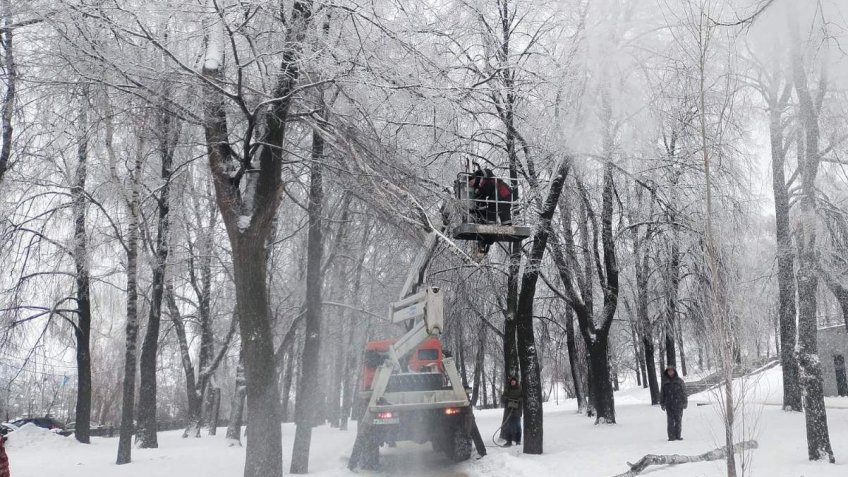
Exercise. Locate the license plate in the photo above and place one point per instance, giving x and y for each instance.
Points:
(391, 420)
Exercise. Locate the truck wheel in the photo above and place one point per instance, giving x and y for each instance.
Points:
(460, 449)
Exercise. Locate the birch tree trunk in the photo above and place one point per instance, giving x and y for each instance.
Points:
(11, 80)
(130, 358)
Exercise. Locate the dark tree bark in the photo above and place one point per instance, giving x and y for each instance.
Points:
(527, 356)
(214, 408)
(641, 263)
(249, 220)
(510, 336)
(679, 334)
(288, 378)
(237, 407)
(818, 436)
(573, 359)
(596, 337)
(309, 391)
(146, 433)
(479, 364)
(777, 102)
(82, 328)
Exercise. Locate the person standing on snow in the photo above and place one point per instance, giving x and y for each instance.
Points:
(513, 401)
(4, 459)
(673, 401)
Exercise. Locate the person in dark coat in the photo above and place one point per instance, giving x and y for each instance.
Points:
(513, 401)
(493, 198)
(4, 459)
(673, 401)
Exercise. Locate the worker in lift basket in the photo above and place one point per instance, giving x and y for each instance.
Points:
(493, 198)
(513, 401)
(673, 401)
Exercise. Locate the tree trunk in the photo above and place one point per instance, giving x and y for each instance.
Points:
(288, 377)
(264, 440)
(309, 391)
(82, 330)
(249, 219)
(637, 359)
(11, 80)
(818, 436)
(679, 333)
(214, 409)
(527, 356)
(479, 364)
(573, 360)
(673, 283)
(147, 427)
(644, 319)
(128, 401)
(193, 398)
(604, 401)
(510, 352)
(785, 260)
(237, 407)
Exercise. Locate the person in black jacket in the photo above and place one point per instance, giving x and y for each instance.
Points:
(513, 400)
(673, 401)
(493, 198)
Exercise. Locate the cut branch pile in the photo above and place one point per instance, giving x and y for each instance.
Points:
(716, 454)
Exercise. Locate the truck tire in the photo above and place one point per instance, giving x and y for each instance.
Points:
(460, 445)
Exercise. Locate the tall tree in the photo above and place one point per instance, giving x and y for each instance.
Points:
(167, 130)
(527, 355)
(247, 188)
(82, 328)
(809, 108)
(777, 100)
(308, 391)
(133, 204)
(10, 68)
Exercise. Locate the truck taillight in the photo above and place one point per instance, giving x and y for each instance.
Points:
(452, 410)
(385, 415)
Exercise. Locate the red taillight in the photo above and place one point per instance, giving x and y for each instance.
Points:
(452, 410)
(385, 415)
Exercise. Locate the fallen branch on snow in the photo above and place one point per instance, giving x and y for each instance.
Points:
(652, 459)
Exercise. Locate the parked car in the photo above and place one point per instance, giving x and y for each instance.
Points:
(45, 423)
(7, 427)
(95, 430)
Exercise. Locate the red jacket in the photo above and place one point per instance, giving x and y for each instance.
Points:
(4, 459)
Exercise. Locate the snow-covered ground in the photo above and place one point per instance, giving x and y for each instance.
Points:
(573, 446)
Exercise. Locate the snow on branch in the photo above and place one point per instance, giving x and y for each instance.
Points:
(213, 58)
(715, 454)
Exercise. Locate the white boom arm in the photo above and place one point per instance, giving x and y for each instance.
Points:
(426, 307)
(429, 305)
